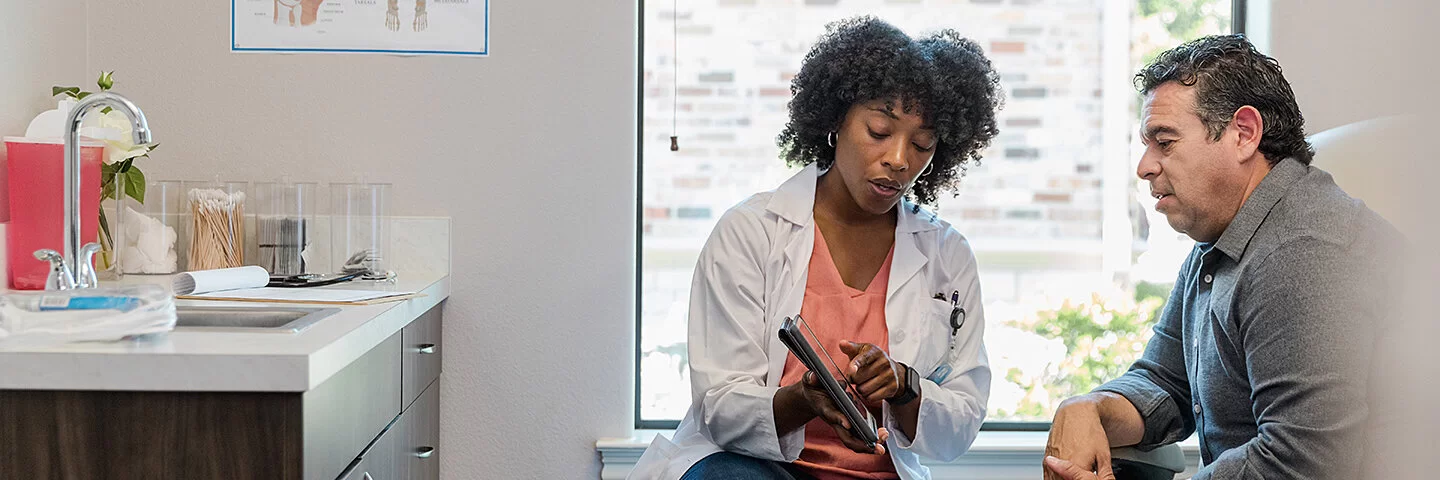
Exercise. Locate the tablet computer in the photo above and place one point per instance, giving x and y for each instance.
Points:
(794, 340)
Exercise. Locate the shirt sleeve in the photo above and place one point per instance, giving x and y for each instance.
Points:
(727, 341)
(1158, 384)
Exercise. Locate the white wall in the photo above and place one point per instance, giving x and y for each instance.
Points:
(35, 54)
(1352, 60)
(531, 151)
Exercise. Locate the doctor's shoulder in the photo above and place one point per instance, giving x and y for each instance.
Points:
(742, 224)
(952, 246)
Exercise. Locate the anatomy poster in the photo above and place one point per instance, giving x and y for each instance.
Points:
(404, 27)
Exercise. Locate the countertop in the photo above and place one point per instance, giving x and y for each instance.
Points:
(198, 360)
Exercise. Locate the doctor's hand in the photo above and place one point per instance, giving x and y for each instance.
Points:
(875, 375)
(821, 406)
(1078, 448)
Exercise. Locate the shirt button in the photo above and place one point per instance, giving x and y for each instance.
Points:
(1197, 409)
(898, 336)
(1208, 278)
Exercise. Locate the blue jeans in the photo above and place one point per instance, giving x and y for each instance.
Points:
(734, 466)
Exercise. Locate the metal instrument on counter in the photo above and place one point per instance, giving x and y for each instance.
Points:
(357, 267)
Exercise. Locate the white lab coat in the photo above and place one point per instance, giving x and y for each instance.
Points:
(751, 275)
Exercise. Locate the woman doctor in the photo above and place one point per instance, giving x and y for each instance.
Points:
(878, 119)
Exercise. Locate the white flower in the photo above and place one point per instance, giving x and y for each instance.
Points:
(116, 131)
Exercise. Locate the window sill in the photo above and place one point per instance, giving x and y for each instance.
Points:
(994, 456)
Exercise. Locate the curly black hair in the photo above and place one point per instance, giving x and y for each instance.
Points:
(945, 78)
(1228, 73)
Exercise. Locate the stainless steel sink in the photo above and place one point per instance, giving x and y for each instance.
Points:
(250, 319)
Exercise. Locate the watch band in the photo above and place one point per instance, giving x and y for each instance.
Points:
(911, 390)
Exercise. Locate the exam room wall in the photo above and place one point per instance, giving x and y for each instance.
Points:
(530, 151)
(29, 66)
(1352, 60)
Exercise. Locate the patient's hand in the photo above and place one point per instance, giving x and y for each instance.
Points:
(1078, 448)
(1068, 471)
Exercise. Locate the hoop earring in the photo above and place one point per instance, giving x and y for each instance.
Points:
(928, 168)
(830, 138)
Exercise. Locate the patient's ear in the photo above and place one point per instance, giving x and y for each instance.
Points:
(1247, 128)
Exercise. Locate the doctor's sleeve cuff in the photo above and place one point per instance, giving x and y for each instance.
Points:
(897, 436)
(790, 443)
(944, 428)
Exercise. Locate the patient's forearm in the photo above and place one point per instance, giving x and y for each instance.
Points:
(1122, 422)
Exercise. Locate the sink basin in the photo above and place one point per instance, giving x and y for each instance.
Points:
(248, 319)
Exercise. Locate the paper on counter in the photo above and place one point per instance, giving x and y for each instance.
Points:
(306, 295)
(206, 281)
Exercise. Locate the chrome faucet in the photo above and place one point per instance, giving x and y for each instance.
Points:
(75, 269)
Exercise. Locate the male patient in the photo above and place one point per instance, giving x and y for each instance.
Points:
(1265, 343)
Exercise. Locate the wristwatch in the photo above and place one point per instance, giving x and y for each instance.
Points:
(911, 389)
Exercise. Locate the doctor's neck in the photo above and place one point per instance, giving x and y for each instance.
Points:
(836, 203)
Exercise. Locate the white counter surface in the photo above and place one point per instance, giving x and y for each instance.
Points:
(199, 360)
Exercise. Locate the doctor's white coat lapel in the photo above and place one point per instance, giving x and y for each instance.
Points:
(794, 206)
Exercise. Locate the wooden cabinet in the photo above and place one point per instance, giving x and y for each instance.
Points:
(376, 419)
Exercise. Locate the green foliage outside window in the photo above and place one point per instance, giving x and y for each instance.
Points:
(1102, 338)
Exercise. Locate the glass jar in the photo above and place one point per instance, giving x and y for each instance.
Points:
(145, 236)
(285, 227)
(360, 228)
(216, 227)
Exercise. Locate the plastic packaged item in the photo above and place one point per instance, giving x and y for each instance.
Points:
(36, 180)
(87, 315)
(284, 225)
(360, 229)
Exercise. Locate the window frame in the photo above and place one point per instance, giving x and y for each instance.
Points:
(1237, 25)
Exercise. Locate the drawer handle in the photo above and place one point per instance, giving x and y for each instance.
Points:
(426, 348)
(425, 452)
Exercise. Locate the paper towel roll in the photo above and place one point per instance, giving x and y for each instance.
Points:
(206, 281)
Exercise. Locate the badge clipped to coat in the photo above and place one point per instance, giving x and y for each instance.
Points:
(957, 320)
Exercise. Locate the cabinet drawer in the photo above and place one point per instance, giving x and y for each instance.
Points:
(418, 455)
(377, 462)
(345, 413)
(420, 353)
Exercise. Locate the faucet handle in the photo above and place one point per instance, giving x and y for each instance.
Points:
(60, 278)
(85, 266)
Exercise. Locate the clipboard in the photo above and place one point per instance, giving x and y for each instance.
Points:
(791, 336)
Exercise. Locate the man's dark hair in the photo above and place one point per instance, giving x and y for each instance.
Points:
(1228, 73)
(944, 78)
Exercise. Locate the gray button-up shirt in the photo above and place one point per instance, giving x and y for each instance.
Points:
(1266, 340)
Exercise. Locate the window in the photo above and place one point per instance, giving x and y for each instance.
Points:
(1074, 261)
